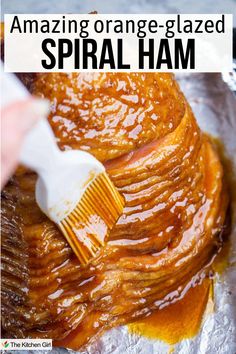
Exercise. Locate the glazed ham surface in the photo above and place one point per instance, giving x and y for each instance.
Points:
(143, 130)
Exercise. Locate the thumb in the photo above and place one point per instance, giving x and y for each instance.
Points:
(16, 120)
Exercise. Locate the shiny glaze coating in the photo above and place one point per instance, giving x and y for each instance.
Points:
(170, 176)
(139, 108)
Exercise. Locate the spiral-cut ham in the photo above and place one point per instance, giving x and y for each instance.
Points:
(143, 130)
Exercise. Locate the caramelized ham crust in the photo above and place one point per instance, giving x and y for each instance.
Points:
(141, 127)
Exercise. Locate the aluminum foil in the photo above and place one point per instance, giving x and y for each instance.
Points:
(214, 104)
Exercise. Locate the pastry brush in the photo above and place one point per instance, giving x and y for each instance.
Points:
(73, 188)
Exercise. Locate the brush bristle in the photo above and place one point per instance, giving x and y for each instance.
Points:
(87, 226)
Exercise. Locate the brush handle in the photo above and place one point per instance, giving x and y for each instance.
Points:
(40, 151)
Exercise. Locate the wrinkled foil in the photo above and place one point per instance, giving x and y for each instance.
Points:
(214, 104)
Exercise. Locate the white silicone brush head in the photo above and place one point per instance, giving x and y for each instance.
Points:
(60, 188)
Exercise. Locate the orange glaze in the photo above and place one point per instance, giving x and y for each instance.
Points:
(180, 319)
(136, 111)
(171, 179)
